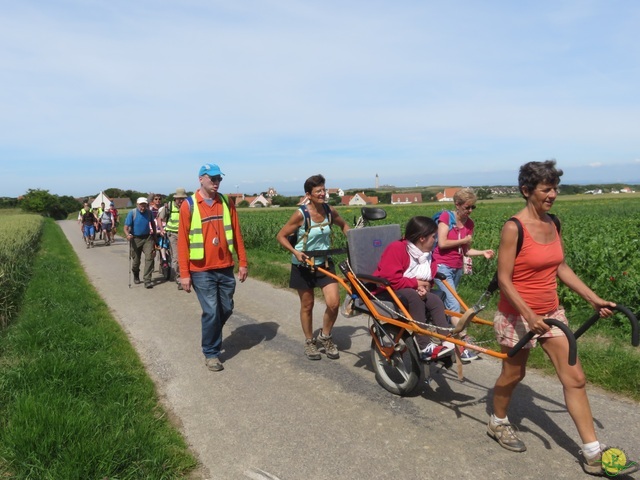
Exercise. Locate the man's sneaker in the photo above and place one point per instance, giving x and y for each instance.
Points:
(326, 344)
(310, 350)
(148, 285)
(505, 435)
(88, 245)
(179, 286)
(607, 463)
(434, 351)
(214, 364)
(136, 278)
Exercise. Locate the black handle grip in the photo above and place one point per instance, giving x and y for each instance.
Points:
(635, 341)
(573, 349)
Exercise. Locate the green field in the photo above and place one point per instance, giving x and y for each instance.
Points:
(600, 234)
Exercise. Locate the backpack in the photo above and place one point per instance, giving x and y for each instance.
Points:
(106, 217)
(452, 220)
(493, 285)
(293, 238)
(166, 213)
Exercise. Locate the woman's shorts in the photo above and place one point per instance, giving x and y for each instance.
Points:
(303, 278)
(510, 328)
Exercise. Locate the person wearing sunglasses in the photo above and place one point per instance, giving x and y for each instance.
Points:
(454, 244)
(154, 204)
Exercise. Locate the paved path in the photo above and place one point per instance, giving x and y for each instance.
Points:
(273, 414)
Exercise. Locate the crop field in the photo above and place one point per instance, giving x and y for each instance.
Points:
(19, 238)
(601, 239)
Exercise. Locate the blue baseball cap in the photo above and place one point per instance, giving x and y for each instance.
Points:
(210, 169)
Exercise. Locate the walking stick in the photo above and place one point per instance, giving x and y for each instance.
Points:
(129, 275)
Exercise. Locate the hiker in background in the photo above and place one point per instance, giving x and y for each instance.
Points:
(106, 224)
(455, 236)
(528, 295)
(140, 231)
(97, 224)
(169, 218)
(154, 205)
(116, 220)
(312, 224)
(88, 222)
(208, 235)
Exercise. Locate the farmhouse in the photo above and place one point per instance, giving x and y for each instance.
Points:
(358, 199)
(253, 201)
(404, 198)
(122, 202)
(447, 195)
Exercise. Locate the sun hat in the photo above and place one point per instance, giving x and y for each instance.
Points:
(210, 169)
(180, 193)
(142, 200)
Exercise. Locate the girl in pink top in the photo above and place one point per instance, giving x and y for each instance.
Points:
(453, 244)
(528, 295)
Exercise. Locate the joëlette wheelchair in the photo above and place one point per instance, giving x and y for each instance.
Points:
(394, 352)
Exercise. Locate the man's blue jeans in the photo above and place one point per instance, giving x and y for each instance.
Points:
(215, 289)
(453, 277)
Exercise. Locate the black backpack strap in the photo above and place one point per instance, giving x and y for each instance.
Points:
(306, 218)
(327, 211)
(520, 234)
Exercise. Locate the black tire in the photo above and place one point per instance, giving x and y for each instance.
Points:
(402, 372)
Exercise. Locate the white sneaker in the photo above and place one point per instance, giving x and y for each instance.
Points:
(434, 351)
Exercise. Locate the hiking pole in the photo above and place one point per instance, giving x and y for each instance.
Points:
(129, 274)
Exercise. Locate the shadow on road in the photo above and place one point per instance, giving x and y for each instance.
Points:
(246, 337)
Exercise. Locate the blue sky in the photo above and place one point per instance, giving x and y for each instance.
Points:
(138, 94)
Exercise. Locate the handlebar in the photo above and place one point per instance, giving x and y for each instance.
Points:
(551, 322)
(635, 341)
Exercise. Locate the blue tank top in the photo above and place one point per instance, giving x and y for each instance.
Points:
(319, 238)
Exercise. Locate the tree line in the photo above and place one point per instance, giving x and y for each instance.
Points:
(59, 207)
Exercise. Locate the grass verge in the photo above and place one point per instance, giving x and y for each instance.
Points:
(75, 400)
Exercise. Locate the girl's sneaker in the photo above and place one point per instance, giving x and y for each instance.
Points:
(467, 355)
(434, 351)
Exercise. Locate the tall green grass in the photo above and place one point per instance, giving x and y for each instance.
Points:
(75, 400)
(19, 239)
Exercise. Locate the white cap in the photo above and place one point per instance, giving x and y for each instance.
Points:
(142, 200)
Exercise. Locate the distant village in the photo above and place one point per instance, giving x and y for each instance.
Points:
(337, 196)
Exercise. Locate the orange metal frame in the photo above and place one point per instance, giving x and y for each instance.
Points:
(352, 283)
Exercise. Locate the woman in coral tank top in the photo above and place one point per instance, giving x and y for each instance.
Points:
(528, 295)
